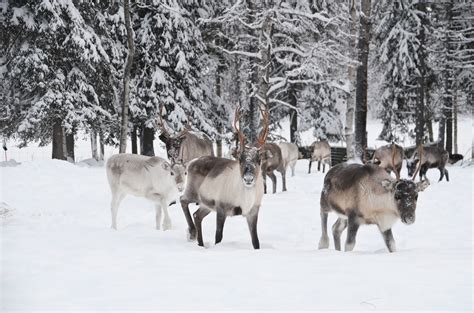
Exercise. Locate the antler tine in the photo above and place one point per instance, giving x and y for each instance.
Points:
(265, 121)
(420, 153)
(186, 129)
(237, 129)
(162, 123)
(394, 152)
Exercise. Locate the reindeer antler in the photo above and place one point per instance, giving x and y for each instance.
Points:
(420, 153)
(166, 133)
(237, 129)
(162, 123)
(394, 152)
(265, 121)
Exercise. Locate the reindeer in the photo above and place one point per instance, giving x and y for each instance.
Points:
(186, 145)
(228, 187)
(290, 154)
(433, 157)
(148, 177)
(272, 160)
(321, 153)
(367, 194)
(382, 157)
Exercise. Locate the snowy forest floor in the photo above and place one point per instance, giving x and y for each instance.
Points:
(58, 251)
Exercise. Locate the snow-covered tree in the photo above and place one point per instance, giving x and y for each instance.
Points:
(49, 53)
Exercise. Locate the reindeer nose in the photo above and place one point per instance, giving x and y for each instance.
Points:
(180, 187)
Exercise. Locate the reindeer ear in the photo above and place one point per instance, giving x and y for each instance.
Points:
(166, 166)
(387, 184)
(422, 185)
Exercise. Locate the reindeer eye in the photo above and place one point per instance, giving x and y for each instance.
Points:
(185, 173)
(172, 173)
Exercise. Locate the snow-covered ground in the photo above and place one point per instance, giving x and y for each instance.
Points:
(58, 252)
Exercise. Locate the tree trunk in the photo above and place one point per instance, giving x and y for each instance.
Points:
(441, 132)
(449, 78)
(420, 105)
(219, 94)
(101, 145)
(293, 116)
(361, 89)
(147, 141)
(95, 154)
(134, 140)
(428, 120)
(349, 128)
(58, 141)
(455, 122)
(70, 147)
(126, 78)
(250, 126)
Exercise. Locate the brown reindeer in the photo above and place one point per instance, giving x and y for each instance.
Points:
(272, 160)
(366, 194)
(227, 187)
(186, 145)
(433, 157)
(383, 158)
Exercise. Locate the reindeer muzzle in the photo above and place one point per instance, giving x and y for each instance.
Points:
(408, 219)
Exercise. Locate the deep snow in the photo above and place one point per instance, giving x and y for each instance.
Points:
(58, 251)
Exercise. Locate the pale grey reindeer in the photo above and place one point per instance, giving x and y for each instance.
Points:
(152, 178)
(289, 155)
(366, 194)
(227, 187)
(321, 152)
(432, 157)
(383, 157)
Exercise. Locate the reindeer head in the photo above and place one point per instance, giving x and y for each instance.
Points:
(414, 161)
(172, 142)
(405, 192)
(249, 157)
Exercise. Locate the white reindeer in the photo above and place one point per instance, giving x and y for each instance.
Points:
(152, 178)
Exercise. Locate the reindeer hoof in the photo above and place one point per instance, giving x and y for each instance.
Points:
(191, 234)
(166, 226)
(323, 243)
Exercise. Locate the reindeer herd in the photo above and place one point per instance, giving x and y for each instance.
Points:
(358, 193)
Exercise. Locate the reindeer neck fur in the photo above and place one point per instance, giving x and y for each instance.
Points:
(230, 189)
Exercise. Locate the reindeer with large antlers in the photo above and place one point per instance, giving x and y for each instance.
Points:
(367, 194)
(184, 146)
(227, 187)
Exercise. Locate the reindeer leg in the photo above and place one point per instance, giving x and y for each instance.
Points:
(389, 241)
(221, 216)
(189, 220)
(441, 174)
(337, 229)
(283, 179)
(198, 216)
(158, 215)
(319, 166)
(264, 177)
(324, 241)
(446, 174)
(293, 168)
(116, 199)
(274, 180)
(252, 219)
(351, 232)
(166, 219)
(309, 168)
